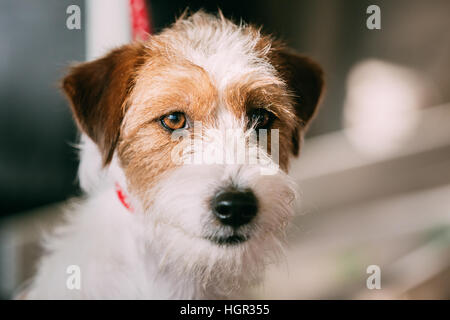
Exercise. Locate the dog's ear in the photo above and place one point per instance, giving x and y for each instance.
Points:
(304, 79)
(98, 93)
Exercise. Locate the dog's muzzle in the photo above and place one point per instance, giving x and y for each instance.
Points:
(234, 208)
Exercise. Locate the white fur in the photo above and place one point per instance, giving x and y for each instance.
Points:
(162, 252)
(225, 50)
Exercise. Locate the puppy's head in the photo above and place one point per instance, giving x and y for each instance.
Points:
(195, 93)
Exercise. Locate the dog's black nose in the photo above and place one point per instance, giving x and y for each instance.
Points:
(235, 208)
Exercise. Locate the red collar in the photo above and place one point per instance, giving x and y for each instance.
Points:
(123, 198)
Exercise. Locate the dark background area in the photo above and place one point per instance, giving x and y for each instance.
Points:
(37, 163)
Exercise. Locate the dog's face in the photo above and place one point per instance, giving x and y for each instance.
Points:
(204, 84)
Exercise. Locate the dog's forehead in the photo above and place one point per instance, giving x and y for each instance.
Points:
(212, 62)
(223, 49)
(164, 86)
(201, 79)
(230, 63)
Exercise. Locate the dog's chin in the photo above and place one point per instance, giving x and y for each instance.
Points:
(229, 240)
(228, 237)
(217, 256)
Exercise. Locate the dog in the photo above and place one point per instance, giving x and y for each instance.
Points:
(151, 227)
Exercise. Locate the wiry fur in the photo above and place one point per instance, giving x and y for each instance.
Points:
(213, 70)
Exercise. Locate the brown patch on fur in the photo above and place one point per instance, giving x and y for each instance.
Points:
(246, 95)
(97, 92)
(145, 146)
(304, 79)
(298, 99)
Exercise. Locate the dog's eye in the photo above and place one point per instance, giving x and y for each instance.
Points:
(174, 121)
(261, 118)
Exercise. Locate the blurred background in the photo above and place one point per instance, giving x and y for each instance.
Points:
(374, 172)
